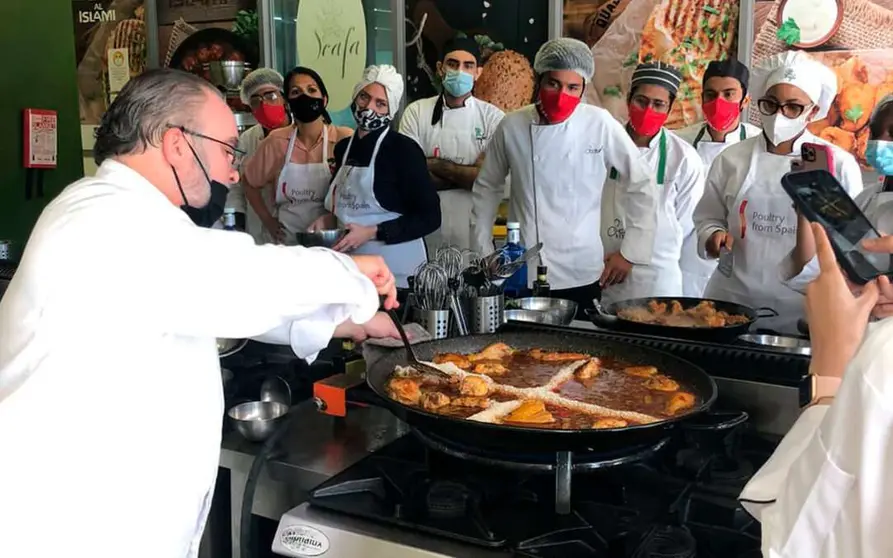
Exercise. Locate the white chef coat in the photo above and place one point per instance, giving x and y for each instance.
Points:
(876, 204)
(558, 174)
(111, 402)
(248, 142)
(826, 491)
(696, 271)
(460, 137)
(680, 183)
(743, 196)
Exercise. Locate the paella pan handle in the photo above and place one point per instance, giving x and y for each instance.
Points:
(715, 421)
(598, 315)
(765, 312)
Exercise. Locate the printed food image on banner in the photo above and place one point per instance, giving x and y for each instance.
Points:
(853, 38)
(687, 34)
(110, 48)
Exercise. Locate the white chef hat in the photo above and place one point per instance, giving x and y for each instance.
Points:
(565, 53)
(886, 100)
(257, 79)
(800, 70)
(389, 78)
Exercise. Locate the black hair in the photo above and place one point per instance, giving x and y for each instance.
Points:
(303, 70)
(144, 110)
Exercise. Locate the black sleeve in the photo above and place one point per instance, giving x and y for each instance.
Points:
(421, 213)
(340, 147)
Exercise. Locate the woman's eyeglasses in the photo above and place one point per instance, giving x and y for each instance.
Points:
(769, 107)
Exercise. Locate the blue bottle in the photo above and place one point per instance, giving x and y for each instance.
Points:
(229, 219)
(516, 285)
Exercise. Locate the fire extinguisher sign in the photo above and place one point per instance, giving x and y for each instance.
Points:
(41, 142)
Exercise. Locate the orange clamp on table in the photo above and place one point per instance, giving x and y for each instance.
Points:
(330, 394)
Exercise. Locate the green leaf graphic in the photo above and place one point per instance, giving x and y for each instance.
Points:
(854, 113)
(789, 32)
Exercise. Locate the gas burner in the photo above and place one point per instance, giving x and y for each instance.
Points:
(448, 500)
(665, 541)
(540, 462)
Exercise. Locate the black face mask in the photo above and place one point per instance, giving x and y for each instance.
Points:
(306, 109)
(209, 214)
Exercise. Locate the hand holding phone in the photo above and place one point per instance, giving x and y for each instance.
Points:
(821, 199)
(816, 156)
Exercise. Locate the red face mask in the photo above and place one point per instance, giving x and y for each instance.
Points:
(646, 121)
(721, 114)
(270, 116)
(557, 106)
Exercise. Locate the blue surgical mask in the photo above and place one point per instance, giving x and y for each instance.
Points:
(457, 84)
(879, 155)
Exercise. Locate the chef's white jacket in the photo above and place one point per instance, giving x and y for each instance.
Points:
(827, 489)
(683, 185)
(696, 271)
(558, 174)
(249, 140)
(460, 136)
(111, 401)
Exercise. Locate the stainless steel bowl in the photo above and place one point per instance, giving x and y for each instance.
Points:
(227, 347)
(532, 316)
(256, 420)
(793, 345)
(563, 310)
(325, 238)
(227, 74)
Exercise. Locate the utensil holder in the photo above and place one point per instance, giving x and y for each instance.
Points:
(435, 322)
(488, 313)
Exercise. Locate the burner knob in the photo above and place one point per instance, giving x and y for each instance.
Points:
(320, 404)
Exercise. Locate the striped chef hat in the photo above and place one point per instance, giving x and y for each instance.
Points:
(657, 73)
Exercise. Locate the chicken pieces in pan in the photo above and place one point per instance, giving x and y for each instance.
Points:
(641, 371)
(405, 390)
(471, 402)
(555, 356)
(609, 422)
(490, 368)
(434, 400)
(496, 351)
(460, 361)
(661, 383)
(474, 386)
(589, 370)
(679, 402)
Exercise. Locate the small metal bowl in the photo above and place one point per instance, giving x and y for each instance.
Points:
(325, 238)
(227, 347)
(257, 420)
(792, 345)
(532, 316)
(563, 310)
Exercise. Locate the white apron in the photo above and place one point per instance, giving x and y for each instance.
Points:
(301, 190)
(352, 199)
(696, 271)
(663, 277)
(763, 223)
(455, 138)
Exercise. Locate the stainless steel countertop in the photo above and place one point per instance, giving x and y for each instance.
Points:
(317, 446)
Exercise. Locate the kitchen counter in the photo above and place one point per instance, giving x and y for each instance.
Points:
(315, 448)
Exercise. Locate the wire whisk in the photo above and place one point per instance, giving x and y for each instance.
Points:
(450, 259)
(431, 287)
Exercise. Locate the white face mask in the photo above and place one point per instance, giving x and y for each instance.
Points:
(779, 128)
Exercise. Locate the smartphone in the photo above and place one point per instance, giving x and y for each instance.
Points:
(821, 199)
(816, 157)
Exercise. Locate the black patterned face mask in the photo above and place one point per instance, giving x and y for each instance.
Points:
(369, 120)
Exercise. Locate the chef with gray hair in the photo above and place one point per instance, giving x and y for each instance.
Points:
(559, 153)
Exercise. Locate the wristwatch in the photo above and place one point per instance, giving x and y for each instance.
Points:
(823, 388)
